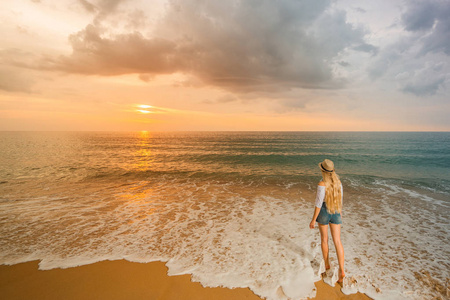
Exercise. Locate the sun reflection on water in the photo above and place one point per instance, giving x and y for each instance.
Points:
(141, 197)
(144, 156)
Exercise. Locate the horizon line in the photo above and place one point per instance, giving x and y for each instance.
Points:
(418, 131)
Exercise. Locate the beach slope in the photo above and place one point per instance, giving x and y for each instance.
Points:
(121, 279)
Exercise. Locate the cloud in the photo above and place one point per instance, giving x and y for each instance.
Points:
(88, 6)
(125, 53)
(425, 82)
(421, 75)
(104, 8)
(360, 10)
(145, 77)
(402, 76)
(428, 87)
(241, 46)
(420, 15)
(430, 21)
(222, 99)
(14, 80)
(368, 48)
(14, 73)
(344, 63)
(417, 60)
(387, 59)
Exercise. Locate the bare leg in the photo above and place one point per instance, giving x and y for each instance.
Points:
(336, 235)
(324, 244)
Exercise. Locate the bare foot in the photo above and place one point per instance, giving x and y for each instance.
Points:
(341, 276)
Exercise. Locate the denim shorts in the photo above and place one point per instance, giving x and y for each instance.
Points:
(325, 217)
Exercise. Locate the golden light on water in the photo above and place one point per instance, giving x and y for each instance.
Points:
(143, 155)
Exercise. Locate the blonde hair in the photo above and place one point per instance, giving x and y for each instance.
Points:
(333, 192)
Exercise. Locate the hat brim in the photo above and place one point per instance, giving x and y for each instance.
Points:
(320, 166)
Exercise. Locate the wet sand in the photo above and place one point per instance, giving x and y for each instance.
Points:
(122, 280)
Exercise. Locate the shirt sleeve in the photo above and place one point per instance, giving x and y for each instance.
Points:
(320, 196)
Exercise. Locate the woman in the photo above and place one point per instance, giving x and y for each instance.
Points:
(328, 211)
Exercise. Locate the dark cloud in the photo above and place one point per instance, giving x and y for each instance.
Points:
(424, 82)
(421, 75)
(439, 39)
(424, 88)
(126, 53)
(333, 33)
(236, 45)
(420, 15)
(430, 21)
(418, 60)
(368, 48)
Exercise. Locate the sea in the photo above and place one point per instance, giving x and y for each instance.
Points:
(232, 209)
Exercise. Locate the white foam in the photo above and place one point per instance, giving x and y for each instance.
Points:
(331, 276)
(320, 271)
(349, 286)
(228, 235)
(299, 285)
(394, 189)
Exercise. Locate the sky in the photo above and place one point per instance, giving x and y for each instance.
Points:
(163, 65)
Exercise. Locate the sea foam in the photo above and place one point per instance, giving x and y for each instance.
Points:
(227, 234)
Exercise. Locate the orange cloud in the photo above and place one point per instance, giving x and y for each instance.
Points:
(277, 47)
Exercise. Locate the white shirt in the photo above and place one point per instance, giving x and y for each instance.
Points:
(320, 196)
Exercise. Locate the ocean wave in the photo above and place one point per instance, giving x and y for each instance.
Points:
(231, 209)
(225, 233)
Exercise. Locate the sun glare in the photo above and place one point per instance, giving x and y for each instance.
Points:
(144, 108)
(150, 109)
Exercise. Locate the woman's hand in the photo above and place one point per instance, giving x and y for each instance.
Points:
(314, 218)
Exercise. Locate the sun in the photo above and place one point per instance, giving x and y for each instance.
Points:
(145, 108)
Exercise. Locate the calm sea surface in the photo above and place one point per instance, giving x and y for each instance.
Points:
(231, 208)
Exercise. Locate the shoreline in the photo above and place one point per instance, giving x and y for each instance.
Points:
(121, 279)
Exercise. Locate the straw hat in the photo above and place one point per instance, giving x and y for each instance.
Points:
(327, 166)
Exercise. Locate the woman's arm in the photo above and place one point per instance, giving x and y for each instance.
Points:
(320, 196)
(313, 221)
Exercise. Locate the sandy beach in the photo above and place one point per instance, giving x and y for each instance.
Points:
(122, 280)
